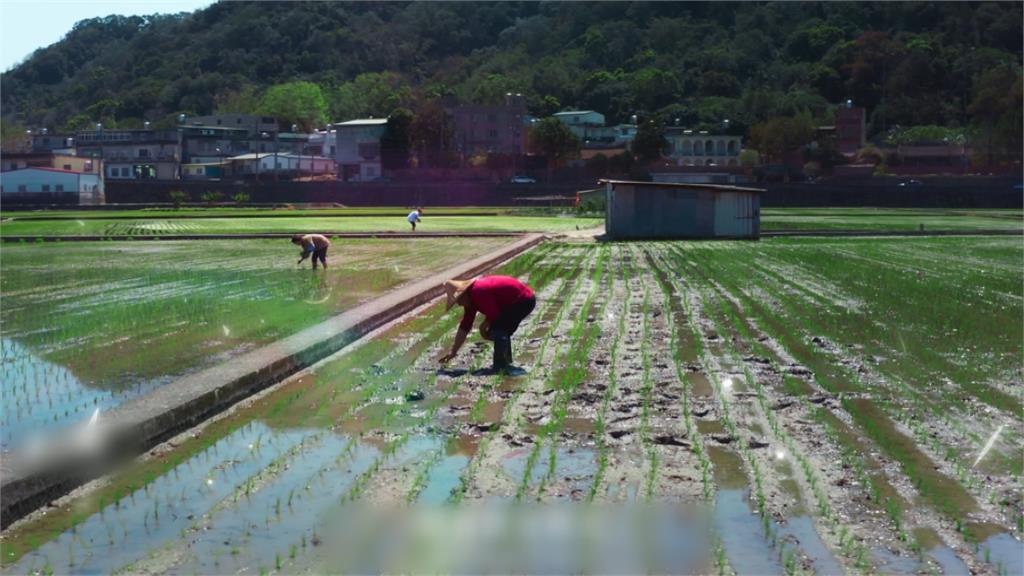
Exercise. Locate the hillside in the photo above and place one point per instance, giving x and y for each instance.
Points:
(908, 63)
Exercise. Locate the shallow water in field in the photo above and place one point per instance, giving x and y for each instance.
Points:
(746, 545)
(89, 325)
(41, 396)
(444, 477)
(949, 562)
(1005, 552)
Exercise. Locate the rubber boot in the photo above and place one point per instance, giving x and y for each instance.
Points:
(502, 358)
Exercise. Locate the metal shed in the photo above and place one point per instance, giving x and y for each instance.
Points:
(664, 210)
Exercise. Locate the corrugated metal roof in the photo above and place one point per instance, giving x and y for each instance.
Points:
(572, 112)
(364, 122)
(48, 169)
(713, 187)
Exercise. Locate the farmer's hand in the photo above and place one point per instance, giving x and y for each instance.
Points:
(446, 358)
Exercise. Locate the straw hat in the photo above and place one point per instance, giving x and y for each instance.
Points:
(454, 289)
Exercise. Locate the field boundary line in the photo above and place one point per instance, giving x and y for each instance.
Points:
(32, 217)
(255, 236)
(874, 233)
(139, 424)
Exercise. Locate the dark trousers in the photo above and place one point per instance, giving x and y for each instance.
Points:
(320, 253)
(506, 325)
(510, 318)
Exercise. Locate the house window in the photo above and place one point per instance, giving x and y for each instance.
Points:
(492, 133)
(144, 171)
(60, 188)
(46, 187)
(143, 152)
(67, 166)
(21, 188)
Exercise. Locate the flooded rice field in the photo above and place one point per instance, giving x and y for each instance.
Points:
(88, 325)
(788, 406)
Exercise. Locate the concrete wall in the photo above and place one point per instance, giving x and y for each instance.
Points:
(978, 192)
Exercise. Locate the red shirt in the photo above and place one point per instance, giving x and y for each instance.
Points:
(489, 295)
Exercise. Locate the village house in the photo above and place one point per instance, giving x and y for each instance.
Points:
(590, 127)
(357, 151)
(145, 154)
(482, 129)
(700, 148)
(40, 185)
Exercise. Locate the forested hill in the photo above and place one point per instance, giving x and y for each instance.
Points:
(908, 63)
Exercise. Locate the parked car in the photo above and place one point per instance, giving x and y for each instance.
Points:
(911, 183)
(523, 180)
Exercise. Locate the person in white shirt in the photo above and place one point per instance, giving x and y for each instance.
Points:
(414, 217)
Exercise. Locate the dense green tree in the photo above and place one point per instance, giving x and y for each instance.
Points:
(396, 141)
(552, 138)
(906, 63)
(997, 111)
(374, 94)
(777, 137)
(650, 143)
(300, 103)
(242, 100)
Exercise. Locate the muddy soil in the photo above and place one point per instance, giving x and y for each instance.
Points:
(645, 380)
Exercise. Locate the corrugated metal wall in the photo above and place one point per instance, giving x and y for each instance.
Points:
(645, 211)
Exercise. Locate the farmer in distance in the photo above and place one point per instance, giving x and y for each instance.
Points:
(414, 217)
(504, 302)
(313, 244)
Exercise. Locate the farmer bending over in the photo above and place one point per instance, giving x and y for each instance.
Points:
(313, 244)
(504, 302)
(414, 217)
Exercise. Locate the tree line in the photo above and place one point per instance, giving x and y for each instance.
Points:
(909, 64)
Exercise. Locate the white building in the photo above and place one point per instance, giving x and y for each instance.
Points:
(690, 148)
(357, 149)
(270, 164)
(590, 128)
(323, 143)
(579, 120)
(21, 185)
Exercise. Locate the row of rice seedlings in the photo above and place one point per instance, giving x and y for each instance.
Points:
(874, 430)
(567, 362)
(646, 388)
(359, 484)
(574, 368)
(924, 401)
(541, 325)
(205, 479)
(678, 313)
(625, 271)
(277, 409)
(723, 392)
(857, 553)
(522, 265)
(397, 443)
(555, 308)
(837, 378)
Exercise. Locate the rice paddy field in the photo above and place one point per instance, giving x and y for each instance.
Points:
(788, 406)
(889, 219)
(88, 325)
(147, 226)
(247, 221)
